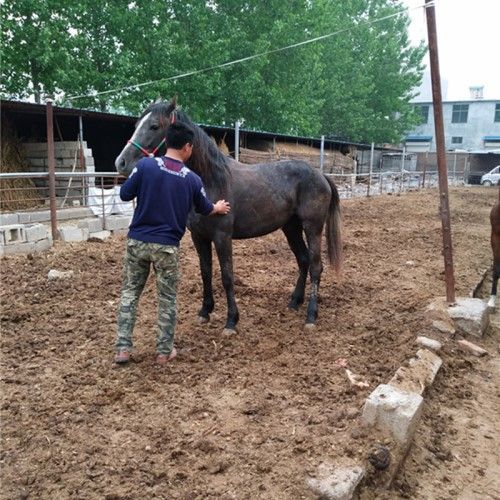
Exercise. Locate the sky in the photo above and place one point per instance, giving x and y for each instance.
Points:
(468, 45)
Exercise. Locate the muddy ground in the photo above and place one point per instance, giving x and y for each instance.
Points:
(252, 415)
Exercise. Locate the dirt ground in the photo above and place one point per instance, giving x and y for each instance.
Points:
(251, 415)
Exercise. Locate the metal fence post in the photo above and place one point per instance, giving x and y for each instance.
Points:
(102, 200)
(322, 154)
(372, 150)
(401, 181)
(237, 140)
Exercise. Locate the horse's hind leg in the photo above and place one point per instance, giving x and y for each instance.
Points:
(204, 249)
(313, 236)
(224, 248)
(293, 233)
(495, 276)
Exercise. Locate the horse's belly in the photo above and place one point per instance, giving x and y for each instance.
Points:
(253, 228)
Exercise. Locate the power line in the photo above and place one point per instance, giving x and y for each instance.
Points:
(249, 58)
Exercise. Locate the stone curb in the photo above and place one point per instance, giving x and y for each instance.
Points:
(395, 409)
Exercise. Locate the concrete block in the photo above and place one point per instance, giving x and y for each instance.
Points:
(12, 234)
(115, 222)
(119, 232)
(73, 233)
(24, 217)
(393, 411)
(93, 225)
(100, 235)
(35, 232)
(34, 146)
(470, 316)
(336, 483)
(433, 345)
(419, 374)
(9, 219)
(42, 245)
(16, 248)
(74, 213)
(41, 216)
(38, 162)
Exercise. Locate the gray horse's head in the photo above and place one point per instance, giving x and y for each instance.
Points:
(149, 135)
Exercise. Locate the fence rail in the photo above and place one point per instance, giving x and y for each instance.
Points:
(99, 191)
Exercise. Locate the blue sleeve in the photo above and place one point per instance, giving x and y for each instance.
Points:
(130, 187)
(202, 204)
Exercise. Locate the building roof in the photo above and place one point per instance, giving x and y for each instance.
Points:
(465, 101)
(28, 107)
(418, 138)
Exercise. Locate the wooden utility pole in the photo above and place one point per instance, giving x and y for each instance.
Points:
(444, 205)
(52, 169)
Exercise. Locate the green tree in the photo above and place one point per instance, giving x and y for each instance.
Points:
(356, 84)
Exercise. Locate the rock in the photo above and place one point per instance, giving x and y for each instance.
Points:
(336, 483)
(54, 274)
(431, 344)
(474, 349)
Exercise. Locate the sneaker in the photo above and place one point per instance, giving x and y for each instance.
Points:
(122, 357)
(163, 359)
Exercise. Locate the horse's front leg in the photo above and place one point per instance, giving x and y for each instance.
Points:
(204, 249)
(224, 248)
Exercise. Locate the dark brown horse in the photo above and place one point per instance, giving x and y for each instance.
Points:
(495, 246)
(287, 195)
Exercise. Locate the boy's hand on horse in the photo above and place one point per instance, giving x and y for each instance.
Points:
(221, 207)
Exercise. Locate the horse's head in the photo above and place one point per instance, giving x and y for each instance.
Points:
(149, 135)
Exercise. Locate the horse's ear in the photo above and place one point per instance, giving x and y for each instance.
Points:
(173, 102)
(158, 99)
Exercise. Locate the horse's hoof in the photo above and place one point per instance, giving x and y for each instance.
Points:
(228, 332)
(202, 319)
(310, 326)
(293, 307)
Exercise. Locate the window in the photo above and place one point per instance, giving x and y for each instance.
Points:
(423, 112)
(456, 140)
(460, 112)
(497, 112)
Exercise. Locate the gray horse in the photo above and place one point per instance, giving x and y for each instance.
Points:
(287, 195)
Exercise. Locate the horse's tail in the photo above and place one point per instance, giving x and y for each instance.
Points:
(333, 233)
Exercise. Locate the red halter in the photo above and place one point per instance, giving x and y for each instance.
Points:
(151, 154)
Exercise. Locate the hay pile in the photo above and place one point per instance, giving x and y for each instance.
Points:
(15, 194)
(221, 145)
(333, 161)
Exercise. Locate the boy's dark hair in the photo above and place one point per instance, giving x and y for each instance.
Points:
(179, 134)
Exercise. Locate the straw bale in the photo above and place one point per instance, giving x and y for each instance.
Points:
(252, 156)
(15, 194)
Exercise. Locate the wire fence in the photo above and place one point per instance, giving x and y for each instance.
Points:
(378, 183)
(29, 192)
(99, 192)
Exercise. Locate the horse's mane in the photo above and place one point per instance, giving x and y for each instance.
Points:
(207, 160)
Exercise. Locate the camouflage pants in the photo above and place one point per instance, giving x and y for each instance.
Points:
(136, 266)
